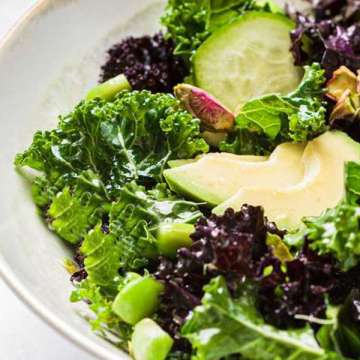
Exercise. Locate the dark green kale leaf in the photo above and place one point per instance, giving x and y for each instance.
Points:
(102, 259)
(337, 232)
(71, 210)
(244, 142)
(136, 217)
(190, 22)
(131, 138)
(129, 240)
(272, 119)
(99, 148)
(223, 326)
(72, 213)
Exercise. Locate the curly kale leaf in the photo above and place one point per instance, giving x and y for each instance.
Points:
(129, 239)
(100, 147)
(222, 326)
(189, 23)
(70, 211)
(131, 138)
(135, 218)
(337, 230)
(71, 214)
(104, 321)
(102, 258)
(272, 119)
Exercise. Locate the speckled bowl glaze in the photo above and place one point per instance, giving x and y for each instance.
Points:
(47, 63)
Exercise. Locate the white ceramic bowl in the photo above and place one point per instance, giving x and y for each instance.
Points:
(47, 63)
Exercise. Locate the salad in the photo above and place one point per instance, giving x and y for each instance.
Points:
(209, 186)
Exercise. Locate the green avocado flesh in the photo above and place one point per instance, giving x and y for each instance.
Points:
(248, 58)
(177, 163)
(214, 178)
(322, 186)
(150, 342)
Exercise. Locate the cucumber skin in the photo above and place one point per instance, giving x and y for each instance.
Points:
(197, 63)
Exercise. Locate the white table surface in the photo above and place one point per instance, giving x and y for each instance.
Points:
(23, 335)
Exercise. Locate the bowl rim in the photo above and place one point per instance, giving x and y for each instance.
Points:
(6, 274)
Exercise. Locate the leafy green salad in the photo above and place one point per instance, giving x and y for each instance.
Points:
(209, 185)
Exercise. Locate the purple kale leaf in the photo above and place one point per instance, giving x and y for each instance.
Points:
(343, 11)
(331, 37)
(235, 246)
(298, 288)
(230, 245)
(147, 62)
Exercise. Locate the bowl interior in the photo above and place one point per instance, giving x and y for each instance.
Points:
(46, 65)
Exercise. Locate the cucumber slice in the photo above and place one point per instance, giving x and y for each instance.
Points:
(248, 58)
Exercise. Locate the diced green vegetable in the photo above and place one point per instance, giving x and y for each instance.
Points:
(137, 300)
(109, 89)
(172, 237)
(150, 342)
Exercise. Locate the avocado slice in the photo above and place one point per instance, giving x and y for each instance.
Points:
(321, 188)
(216, 177)
(177, 163)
